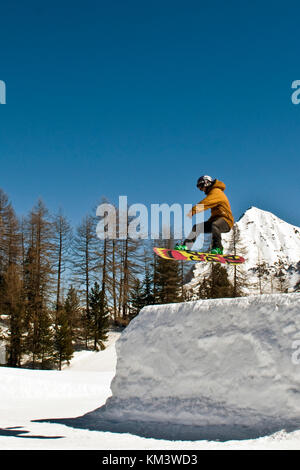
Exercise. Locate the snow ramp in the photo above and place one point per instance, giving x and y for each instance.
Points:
(227, 366)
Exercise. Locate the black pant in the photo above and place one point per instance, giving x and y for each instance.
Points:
(214, 226)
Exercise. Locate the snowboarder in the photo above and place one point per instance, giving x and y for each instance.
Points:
(221, 219)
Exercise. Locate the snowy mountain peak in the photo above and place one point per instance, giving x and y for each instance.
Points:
(267, 237)
(263, 237)
(254, 214)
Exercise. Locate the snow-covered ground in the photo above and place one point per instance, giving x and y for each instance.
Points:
(39, 410)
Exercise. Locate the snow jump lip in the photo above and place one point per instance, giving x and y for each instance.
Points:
(221, 368)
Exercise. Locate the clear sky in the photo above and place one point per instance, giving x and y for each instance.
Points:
(140, 98)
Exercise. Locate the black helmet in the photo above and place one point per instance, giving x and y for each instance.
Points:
(204, 181)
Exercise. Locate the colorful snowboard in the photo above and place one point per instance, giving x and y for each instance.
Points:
(189, 255)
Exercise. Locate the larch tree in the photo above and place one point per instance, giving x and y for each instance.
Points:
(13, 293)
(281, 276)
(62, 244)
(38, 283)
(237, 247)
(85, 258)
(262, 271)
(5, 208)
(130, 259)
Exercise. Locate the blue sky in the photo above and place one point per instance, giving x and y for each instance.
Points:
(141, 98)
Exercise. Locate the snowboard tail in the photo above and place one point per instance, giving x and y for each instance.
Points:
(189, 255)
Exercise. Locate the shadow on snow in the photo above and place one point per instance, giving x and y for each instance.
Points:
(19, 431)
(96, 421)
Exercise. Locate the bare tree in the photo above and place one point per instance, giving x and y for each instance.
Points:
(62, 241)
(84, 260)
(38, 282)
(281, 276)
(237, 247)
(12, 287)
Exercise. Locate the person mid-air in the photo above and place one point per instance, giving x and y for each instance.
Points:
(221, 219)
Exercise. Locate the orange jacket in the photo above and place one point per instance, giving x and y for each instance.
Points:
(217, 201)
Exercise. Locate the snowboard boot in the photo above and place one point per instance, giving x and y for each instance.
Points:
(216, 251)
(180, 246)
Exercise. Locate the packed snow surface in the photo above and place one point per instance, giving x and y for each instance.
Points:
(224, 368)
(66, 409)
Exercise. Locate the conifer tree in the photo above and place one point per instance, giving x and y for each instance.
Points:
(72, 309)
(63, 339)
(147, 289)
(215, 284)
(130, 268)
(141, 294)
(203, 288)
(167, 279)
(136, 299)
(219, 284)
(99, 315)
(45, 338)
